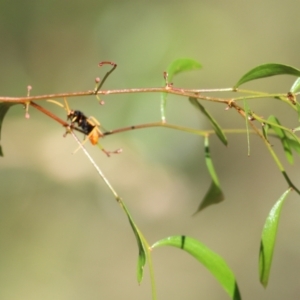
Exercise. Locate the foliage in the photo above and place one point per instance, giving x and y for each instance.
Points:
(265, 128)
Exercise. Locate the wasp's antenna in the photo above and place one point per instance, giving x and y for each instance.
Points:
(67, 108)
(55, 102)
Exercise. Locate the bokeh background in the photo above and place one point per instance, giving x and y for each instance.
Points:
(62, 234)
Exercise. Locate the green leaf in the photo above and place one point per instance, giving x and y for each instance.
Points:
(283, 137)
(4, 107)
(268, 240)
(177, 66)
(212, 261)
(214, 195)
(142, 255)
(294, 145)
(287, 137)
(218, 130)
(265, 130)
(296, 86)
(181, 65)
(267, 70)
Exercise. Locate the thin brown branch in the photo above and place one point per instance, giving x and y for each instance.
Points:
(157, 124)
(53, 116)
(170, 90)
(49, 114)
(241, 111)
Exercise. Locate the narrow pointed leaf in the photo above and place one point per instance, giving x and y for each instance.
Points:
(214, 195)
(177, 66)
(4, 107)
(267, 70)
(296, 86)
(142, 255)
(212, 261)
(181, 65)
(294, 145)
(268, 239)
(218, 130)
(291, 141)
(277, 161)
(265, 130)
(283, 138)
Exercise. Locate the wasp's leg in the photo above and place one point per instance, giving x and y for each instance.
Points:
(108, 153)
(102, 149)
(81, 144)
(68, 131)
(93, 136)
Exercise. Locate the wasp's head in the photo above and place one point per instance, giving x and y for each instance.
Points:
(76, 116)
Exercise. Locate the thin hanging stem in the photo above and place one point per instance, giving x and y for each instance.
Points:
(100, 173)
(146, 246)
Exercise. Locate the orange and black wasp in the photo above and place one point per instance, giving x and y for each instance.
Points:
(89, 126)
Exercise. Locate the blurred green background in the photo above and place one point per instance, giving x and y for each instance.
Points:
(62, 235)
